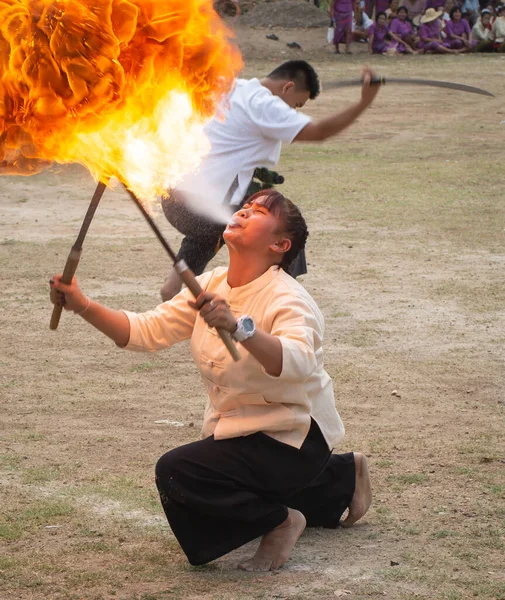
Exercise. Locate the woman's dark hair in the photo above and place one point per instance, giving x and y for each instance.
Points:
(379, 14)
(403, 8)
(454, 10)
(303, 75)
(294, 225)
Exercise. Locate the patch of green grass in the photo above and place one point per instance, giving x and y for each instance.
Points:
(126, 490)
(410, 530)
(10, 461)
(10, 531)
(28, 436)
(37, 475)
(40, 512)
(452, 594)
(494, 590)
(406, 479)
(384, 464)
(339, 314)
(442, 533)
(496, 489)
(94, 546)
(147, 366)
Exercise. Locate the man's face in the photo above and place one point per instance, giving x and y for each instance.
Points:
(292, 96)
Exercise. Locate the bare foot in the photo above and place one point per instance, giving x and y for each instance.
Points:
(362, 497)
(276, 545)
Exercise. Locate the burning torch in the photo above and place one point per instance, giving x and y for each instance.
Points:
(123, 88)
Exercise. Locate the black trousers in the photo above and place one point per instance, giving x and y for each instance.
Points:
(220, 494)
(203, 237)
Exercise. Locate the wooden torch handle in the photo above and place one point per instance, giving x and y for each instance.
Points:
(188, 277)
(68, 273)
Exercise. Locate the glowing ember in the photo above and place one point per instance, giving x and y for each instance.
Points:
(121, 86)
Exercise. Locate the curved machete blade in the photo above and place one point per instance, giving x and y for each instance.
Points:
(432, 83)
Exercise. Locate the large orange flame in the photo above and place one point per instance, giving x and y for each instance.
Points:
(121, 86)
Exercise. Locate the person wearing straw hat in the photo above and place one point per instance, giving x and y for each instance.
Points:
(430, 34)
(264, 467)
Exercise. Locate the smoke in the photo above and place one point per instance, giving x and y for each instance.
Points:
(207, 201)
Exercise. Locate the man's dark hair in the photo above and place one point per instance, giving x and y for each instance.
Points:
(454, 10)
(294, 224)
(301, 73)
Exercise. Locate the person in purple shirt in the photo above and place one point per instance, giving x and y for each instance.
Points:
(430, 34)
(379, 39)
(341, 15)
(380, 6)
(402, 31)
(458, 32)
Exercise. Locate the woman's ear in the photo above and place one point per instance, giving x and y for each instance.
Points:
(281, 246)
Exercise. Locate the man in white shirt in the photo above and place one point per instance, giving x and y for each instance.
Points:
(260, 115)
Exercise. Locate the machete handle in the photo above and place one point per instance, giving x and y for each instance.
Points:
(378, 80)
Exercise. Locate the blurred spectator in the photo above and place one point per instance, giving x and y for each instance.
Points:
(415, 8)
(470, 10)
(430, 34)
(392, 11)
(459, 34)
(381, 6)
(498, 29)
(482, 33)
(379, 39)
(402, 31)
(361, 23)
(341, 12)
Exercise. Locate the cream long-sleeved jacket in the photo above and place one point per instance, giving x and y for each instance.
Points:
(243, 398)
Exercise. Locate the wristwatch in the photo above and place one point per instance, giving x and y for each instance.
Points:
(245, 329)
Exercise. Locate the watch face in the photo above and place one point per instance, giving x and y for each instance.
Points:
(248, 325)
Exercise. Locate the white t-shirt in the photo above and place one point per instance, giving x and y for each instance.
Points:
(251, 134)
(365, 24)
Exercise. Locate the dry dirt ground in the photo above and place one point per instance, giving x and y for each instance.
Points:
(407, 257)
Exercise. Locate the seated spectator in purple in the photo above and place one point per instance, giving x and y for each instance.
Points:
(430, 34)
(379, 39)
(459, 34)
(361, 23)
(402, 31)
(482, 33)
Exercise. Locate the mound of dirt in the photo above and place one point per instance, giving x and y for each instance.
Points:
(285, 13)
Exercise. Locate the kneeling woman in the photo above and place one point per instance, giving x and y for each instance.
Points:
(264, 466)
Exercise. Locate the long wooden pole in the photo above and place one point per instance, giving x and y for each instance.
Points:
(185, 273)
(75, 252)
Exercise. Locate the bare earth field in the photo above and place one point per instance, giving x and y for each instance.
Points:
(407, 256)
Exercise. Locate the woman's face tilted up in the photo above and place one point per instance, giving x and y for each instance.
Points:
(255, 228)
